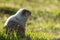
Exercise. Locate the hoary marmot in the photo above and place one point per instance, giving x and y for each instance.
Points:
(17, 22)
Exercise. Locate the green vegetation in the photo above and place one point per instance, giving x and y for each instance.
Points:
(44, 23)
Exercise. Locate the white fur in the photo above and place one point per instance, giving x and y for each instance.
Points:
(21, 20)
(10, 18)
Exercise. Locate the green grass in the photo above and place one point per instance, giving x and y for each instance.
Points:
(44, 23)
(38, 27)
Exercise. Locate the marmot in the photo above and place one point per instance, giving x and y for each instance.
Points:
(17, 22)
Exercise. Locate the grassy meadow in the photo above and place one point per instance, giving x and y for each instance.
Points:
(44, 23)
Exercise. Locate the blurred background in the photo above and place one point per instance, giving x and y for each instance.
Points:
(44, 23)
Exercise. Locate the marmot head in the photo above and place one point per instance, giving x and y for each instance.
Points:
(23, 13)
(26, 12)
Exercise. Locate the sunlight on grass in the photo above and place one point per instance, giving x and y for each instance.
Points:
(44, 23)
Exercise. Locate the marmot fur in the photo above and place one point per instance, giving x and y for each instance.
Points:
(17, 22)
